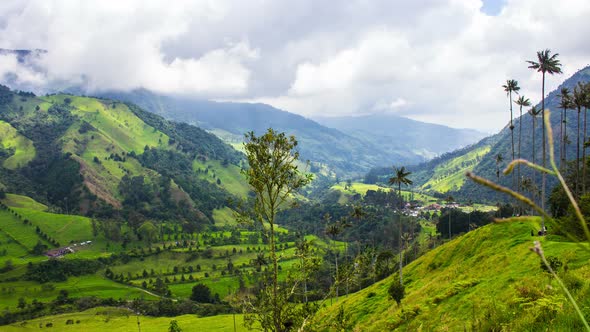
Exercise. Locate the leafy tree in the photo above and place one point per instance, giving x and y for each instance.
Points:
(546, 63)
(174, 326)
(397, 291)
(400, 177)
(274, 177)
(201, 293)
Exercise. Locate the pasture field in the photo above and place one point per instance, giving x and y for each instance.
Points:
(88, 285)
(123, 320)
(229, 176)
(486, 278)
(20, 201)
(24, 150)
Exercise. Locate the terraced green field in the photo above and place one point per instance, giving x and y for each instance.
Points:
(23, 148)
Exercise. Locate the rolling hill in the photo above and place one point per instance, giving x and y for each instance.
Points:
(92, 155)
(485, 280)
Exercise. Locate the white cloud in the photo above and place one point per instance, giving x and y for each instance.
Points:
(441, 61)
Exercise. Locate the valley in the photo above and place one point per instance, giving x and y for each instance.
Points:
(304, 166)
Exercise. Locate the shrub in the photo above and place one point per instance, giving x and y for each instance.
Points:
(397, 291)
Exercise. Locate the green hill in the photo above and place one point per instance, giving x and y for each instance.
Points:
(90, 156)
(487, 279)
(21, 147)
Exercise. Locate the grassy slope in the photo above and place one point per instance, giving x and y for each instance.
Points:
(486, 278)
(20, 201)
(451, 175)
(24, 151)
(113, 319)
(230, 176)
(116, 131)
(362, 188)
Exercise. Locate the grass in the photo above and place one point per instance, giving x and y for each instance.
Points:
(224, 217)
(24, 151)
(451, 175)
(487, 279)
(362, 188)
(230, 176)
(123, 320)
(61, 227)
(89, 285)
(15, 228)
(20, 201)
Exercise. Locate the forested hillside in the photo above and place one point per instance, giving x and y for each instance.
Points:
(102, 157)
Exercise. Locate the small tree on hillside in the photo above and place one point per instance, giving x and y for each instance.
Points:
(273, 176)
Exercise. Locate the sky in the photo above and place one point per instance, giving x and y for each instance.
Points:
(439, 61)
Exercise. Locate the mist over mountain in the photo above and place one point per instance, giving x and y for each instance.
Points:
(410, 137)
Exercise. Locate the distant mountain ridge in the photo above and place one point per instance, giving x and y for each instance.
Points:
(346, 150)
(395, 133)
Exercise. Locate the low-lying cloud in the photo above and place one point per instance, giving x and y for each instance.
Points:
(440, 61)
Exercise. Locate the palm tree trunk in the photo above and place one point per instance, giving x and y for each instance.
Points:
(561, 139)
(584, 155)
(534, 153)
(512, 134)
(544, 153)
(519, 143)
(401, 262)
(565, 138)
(578, 157)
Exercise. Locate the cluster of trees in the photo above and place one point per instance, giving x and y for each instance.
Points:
(56, 270)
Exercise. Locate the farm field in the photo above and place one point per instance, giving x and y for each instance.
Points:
(113, 319)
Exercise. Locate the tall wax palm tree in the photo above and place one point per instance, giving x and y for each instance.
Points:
(586, 89)
(521, 102)
(579, 99)
(400, 177)
(510, 87)
(545, 64)
(533, 112)
(565, 103)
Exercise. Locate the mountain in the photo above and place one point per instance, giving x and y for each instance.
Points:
(341, 149)
(103, 157)
(445, 175)
(340, 152)
(395, 134)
